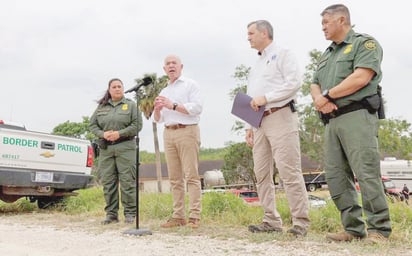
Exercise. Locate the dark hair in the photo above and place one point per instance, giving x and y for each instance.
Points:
(106, 97)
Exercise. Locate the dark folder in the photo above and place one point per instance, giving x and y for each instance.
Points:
(242, 109)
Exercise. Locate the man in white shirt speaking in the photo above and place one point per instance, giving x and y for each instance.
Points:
(178, 106)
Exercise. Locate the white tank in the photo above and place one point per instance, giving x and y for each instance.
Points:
(213, 178)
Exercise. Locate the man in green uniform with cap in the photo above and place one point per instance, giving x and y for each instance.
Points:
(116, 122)
(345, 92)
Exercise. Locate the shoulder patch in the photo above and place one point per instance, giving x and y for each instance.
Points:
(370, 45)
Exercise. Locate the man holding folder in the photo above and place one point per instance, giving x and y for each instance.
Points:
(273, 84)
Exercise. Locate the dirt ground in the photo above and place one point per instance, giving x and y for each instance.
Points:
(57, 234)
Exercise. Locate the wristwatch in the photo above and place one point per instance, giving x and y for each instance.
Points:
(325, 94)
(174, 106)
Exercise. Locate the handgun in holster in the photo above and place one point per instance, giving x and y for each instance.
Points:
(374, 103)
(292, 105)
(102, 143)
(324, 118)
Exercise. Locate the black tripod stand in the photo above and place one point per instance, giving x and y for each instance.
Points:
(138, 231)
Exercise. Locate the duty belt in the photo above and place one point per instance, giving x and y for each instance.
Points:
(121, 139)
(341, 111)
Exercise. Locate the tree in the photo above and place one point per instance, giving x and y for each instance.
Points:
(76, 130)
(395, 138)
(145, 98)
(238, 164)
(311, 128)
(238, 160)
(241, 77)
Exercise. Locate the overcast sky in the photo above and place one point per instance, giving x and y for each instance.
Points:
(56, 57)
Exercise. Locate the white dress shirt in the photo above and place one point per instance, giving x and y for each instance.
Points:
(276, 76)
(184, 91)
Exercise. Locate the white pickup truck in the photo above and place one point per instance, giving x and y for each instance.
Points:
(40, 166)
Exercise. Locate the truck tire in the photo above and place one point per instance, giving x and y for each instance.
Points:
(46, 202)
(311, 187)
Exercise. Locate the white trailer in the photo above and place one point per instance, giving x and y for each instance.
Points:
(400, 171)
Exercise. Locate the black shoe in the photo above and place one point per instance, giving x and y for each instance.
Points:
(264, 227)
(129, 219)
(110, 219)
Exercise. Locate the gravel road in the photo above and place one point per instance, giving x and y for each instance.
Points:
(51, 235)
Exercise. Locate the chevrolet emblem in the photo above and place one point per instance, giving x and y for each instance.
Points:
(47, 154)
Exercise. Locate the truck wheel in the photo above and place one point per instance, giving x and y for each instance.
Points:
(311, 187)
(45, 202)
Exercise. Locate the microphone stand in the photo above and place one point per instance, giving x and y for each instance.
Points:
(137, 231)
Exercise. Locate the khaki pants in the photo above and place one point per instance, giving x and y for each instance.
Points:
(182, 157)
(278, 140)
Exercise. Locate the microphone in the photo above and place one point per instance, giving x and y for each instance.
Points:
(146, 81)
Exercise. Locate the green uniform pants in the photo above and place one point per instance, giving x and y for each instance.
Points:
(351, 148)
(117, 164)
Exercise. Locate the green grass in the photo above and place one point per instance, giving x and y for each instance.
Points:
(325, 219)
(21, 205)
(88, 200)
(221, 210)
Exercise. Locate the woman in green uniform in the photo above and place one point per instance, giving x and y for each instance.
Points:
(116, 122)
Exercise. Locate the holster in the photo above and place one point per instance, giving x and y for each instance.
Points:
(102, 143)
(371, 103)
(324, 118)
(374, 104)
(292, 106)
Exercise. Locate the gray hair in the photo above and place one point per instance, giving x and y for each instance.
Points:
(338, 9)
(262, 25)
(174, 57)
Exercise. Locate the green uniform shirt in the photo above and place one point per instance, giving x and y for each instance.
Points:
(122, 116)
(341, 60)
